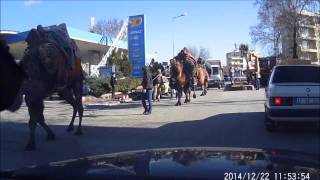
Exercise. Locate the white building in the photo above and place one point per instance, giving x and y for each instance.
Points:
(308, 39)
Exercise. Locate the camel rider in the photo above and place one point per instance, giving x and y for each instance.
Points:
(201, 62)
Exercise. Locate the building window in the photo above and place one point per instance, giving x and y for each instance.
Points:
(305, 44)
(305, 32)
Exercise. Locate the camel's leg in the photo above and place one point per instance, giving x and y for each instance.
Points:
(189, 96)
(202, 90)
(194, 91)
(68, 96)
(179, 96)
(41, 121)
(78, 94)
(32, 128)
(36, 108)
(206, 88)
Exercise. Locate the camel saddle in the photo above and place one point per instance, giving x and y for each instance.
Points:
(188, 61)
(57, 35)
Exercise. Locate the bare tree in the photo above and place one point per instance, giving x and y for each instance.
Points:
(267, 32)
(108, 28)
(281, 18)
(193, 50)
(201, 52)
(204, 53)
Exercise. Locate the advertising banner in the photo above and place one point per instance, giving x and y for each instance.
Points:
(136, 44)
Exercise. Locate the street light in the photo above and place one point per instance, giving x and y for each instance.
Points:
(173, 18)
(181, 15)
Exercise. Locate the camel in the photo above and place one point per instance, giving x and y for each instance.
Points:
(46, 65)
(183, 83)
(202, 78)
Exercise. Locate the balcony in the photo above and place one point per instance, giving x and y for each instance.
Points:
(314, 50)
(308, 37)
(313, 26)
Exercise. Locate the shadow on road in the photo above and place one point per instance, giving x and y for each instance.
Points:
(230, 102)
(228, 130)
(121, 106)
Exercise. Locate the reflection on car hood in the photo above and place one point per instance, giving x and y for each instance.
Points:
(184, 163)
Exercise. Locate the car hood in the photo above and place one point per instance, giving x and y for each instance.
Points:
(177, 163)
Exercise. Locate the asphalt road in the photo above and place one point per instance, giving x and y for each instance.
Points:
(220, 119)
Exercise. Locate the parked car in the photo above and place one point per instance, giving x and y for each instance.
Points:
(165, 86)
(216, 78)
(292, 94)
(226, 78)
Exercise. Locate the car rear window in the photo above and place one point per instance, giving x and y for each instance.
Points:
(215, 70)
(293, 74)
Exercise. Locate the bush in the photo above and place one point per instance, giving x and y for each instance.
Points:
(98, 86)
(128, 84)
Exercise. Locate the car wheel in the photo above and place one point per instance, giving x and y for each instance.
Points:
(271, 126)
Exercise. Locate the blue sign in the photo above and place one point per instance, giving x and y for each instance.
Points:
(136, 44)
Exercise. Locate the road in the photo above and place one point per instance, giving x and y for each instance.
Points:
(220, 119)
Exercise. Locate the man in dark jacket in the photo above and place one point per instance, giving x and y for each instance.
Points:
(113, 83)
(147, 90)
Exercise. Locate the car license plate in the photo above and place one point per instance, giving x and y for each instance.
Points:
(307, 101)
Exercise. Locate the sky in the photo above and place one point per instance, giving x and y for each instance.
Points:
(216, 25)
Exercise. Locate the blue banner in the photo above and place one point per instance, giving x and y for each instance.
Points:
(136, 44)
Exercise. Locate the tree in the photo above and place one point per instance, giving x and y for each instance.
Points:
(244, 49)
(125, 67)
(281, 18)
(267, 32)
(108, 28)
(201, 52)
(204, 53)
(122, 63)
(193, 50)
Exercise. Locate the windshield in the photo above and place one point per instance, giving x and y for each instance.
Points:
(82, 78)
(215, 70)
(296, 74)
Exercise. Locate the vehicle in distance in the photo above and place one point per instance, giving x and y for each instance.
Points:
(293, 94)
(216, 78)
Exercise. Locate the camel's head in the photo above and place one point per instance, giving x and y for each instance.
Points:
(173, 61)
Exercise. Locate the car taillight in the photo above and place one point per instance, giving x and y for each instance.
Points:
(281, 101)
(277, 101)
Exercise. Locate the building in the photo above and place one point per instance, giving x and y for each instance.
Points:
(92, 46)
(308, 39)
(235, 60)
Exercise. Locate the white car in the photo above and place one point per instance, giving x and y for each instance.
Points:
(293, 94)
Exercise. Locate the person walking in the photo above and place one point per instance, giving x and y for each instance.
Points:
(173, 86)
(157, 82)
(113, 83)
(231, 74)
(147, 91)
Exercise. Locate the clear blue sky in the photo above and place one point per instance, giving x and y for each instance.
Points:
(216, 25)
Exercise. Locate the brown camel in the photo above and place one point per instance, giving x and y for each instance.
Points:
(46, 64)
(202, 78)
(183, 83)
